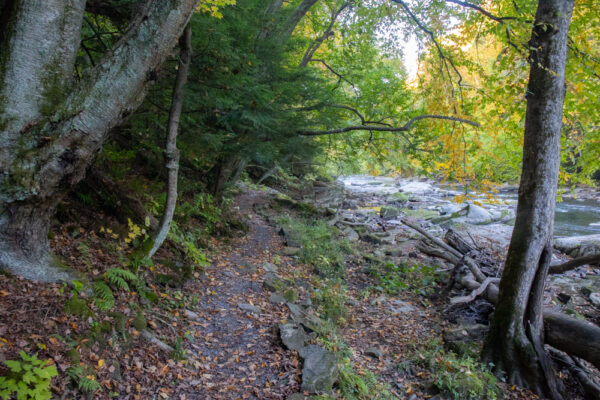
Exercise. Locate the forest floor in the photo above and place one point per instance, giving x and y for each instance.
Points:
(216, 336)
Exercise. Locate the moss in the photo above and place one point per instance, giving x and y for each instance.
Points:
(291, 295)
(139, 322)
(78, 307)
(420, 213)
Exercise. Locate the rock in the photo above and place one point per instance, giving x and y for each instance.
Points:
(276, 298)
(191, 315)
(389, 212)
(350, 234)
(293, 336)
(460, 338)
(379, 300)
(268, 267)
(478, 215)
(374, 352)
(595, 298)
(449, 209)
(563, 298)
(371, 238)
(400, 307)
(249, 308)
(319, 371)
(578, 246)
(273, 283)
(290, 251)
(350, 204)
(295, 310)
(306, 302)
(248, 268)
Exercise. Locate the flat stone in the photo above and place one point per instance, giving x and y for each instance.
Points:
(400, 307)
(389, 212)
(249, 308)
(276, 298)
(373, 352)
(295, 310)
(319, 370)
(268, 267)
(379, 300)
(293, 336)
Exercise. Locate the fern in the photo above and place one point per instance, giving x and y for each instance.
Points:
(85, 383)
(105, 299)
(120, 277)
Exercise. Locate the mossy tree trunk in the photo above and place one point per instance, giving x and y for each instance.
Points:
(51, 127)
(515, 343)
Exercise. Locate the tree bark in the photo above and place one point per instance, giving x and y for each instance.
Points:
(172, 153)
(515, 340)
(51, 129)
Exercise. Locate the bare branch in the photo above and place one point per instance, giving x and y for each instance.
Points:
(340, 76)
(482, 11)
(577, 262)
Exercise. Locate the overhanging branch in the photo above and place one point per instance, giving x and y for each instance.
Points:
(378, 128)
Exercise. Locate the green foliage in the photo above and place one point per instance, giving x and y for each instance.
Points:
(419, 278)
(104, 297)
(319, 246)
(120, 278)
(330, 296)
(28, 378)
(459, 377)
(77, 306)
(188, 241)
(83, 379)
(354, 386)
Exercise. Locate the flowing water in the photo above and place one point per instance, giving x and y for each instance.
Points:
(573, 216)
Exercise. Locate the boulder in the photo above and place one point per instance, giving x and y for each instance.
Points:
(478, 215)
(350, 234)
(293, 336)
(319, 371)
(578, 246)
(595, 298)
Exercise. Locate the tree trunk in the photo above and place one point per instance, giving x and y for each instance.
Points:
(172, 153)
(50, 127)
(515, 340)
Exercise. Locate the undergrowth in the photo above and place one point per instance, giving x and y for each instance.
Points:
(461, 377)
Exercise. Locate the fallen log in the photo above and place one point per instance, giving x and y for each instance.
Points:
(574, 336)
(590, 387)
(572, 264)
(469, 262)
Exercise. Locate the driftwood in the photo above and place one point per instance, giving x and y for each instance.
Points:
(572, 264)
(469, 262)
(456, 241)
(574, 336)
(475, 293)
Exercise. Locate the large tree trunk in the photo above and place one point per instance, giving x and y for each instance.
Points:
(51, 127)
(515, 341)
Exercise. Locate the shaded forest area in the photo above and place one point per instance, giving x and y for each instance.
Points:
(173, 223)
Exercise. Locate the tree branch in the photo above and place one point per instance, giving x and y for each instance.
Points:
(482, 11)
(406, 127)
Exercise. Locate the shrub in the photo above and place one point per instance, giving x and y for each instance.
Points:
(28, 378)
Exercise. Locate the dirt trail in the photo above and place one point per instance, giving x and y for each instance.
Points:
(236, 352)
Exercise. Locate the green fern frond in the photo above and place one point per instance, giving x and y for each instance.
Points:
(120, 278)
(105, 299)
